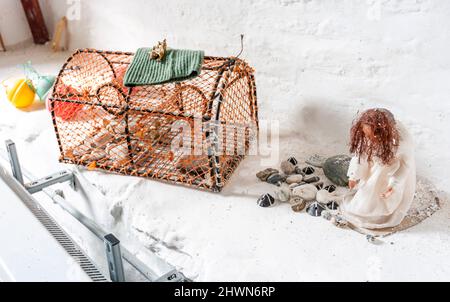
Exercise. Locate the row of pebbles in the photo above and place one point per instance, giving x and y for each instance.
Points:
(298, 186)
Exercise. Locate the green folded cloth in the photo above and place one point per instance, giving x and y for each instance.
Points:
(177, 65)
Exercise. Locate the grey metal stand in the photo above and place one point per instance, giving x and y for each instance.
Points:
(114, 257)
(112, 244)
(161, 271)
(14, 160)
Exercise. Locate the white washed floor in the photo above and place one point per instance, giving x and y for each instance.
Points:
(219, 237)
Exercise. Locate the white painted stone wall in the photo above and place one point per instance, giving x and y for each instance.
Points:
(318, 61)
(13, 23)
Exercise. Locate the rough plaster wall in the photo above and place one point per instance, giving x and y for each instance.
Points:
(13, 23)
(317, 62)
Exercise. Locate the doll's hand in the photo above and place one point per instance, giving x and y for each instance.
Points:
(352, 184)
(388, 193)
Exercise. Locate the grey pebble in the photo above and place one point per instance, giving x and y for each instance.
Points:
(316, 160)
(326, 215)
(311, 179)
(287, 167)
(276, 179)
(295, 178)
(335, 169)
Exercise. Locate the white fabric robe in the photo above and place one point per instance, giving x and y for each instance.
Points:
(363, 206)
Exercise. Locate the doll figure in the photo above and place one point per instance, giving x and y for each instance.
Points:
(382, 172)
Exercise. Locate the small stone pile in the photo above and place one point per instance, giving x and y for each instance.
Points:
(296, 185)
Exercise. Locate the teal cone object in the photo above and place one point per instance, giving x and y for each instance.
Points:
(41, 84)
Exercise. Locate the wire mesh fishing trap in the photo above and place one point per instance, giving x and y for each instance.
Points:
(194, 132)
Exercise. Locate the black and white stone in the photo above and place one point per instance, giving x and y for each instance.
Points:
(293, 160)
(330, 188)
(332, 205)
(266, 200)
(308, 170)
(276, 179)
(319, 185)
(315, 209)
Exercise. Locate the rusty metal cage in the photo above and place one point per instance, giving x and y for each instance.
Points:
(101, 124)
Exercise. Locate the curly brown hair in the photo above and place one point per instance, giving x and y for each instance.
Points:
(383, 145)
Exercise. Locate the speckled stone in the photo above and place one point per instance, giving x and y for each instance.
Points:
(295, 199)
(283, 193)
(326, 215)
(335, 169)
(371, 238)
(339, 221)
(323, 196)
(316, 160)
(295, 178)
(264, 174)
(299, 206)
(307, 192)
(293, 185)
(287, 167)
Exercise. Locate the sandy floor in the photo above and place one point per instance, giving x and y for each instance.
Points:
(218, 237)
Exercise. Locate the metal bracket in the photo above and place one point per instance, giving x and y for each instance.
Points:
(42, 183)
(14, 160)
(39, 184)
(114, 257)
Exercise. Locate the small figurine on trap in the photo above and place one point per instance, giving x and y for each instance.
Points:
(101, 124)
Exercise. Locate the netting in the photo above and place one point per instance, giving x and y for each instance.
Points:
(101, 124)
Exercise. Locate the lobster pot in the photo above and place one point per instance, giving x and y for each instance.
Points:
(194, 132)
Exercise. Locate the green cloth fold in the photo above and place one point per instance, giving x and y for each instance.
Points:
(177, 65)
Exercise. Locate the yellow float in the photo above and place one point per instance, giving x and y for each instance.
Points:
(19, 92)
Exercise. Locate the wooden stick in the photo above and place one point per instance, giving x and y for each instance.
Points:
(60, 31)
(35, 21)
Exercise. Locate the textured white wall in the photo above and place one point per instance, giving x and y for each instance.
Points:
(13, 23)
(317, 61)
